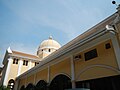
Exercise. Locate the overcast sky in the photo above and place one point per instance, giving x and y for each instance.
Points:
(24, 24)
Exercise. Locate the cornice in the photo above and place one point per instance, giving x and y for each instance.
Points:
(24, 58)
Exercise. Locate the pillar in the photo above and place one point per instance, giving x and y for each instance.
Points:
(20, 67)
(73, 73)
(10, 61)
(30, 65)
(48, 76)
(16, 85)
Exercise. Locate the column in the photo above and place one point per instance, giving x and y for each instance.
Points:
(48, 74)
(10, 61)
(73, 73)
(30, 65)
(20, 67)
(35, 78)
(48, 77)
(16, 85)
(25, 81)
(116, 47)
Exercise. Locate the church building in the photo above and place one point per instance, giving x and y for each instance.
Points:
(15, 63)
(91, 61)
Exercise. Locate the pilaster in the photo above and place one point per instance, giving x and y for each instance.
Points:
(116, 47)
(73, 73)
(20, 66)
(10, 61)
(30, 65)
(48, 80)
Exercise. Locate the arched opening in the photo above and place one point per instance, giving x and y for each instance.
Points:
(49, 50)
(22, 87)
(11, 84)
(98, 83)
(30, 86)
(41, 85)
(60, 82)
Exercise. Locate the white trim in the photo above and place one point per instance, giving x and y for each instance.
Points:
(72, 73)
(58, 75)
(49, 47)
(29, 65)
(116, 49)
(97, 65)
(20, 67)
(10, 61)
(9, 50)
(26, 58)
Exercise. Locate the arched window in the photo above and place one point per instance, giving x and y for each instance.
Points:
(41, 85)
(30, 86)
(60, 82)
(11, 84)
(22, 88)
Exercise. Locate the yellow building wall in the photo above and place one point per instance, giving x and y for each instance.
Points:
(13, 73)
(95, 72)
(105, 57)
(62, 67)
(24, 68)
(33, 64)
(22, 82)
(30, 79)
(42, 75)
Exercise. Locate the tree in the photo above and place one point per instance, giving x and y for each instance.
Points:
(4, 88)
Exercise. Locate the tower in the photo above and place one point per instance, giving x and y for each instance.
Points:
(47, 47)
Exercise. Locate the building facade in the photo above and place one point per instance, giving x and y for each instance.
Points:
(15, 63)
(91, 61)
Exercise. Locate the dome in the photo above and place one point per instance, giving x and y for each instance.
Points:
(50, 43)
(48, 46)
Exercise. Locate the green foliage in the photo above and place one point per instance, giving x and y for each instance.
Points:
(4, 88)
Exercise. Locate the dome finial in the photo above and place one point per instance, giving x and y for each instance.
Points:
(50, 37)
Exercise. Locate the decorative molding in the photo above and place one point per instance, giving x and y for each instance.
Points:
(59, 74)
(97, 65)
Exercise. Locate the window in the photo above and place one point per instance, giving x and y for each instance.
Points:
(90, 54)
(49, 50)
(25, 62)
(107, 46)
(15, 61)
(36, 63)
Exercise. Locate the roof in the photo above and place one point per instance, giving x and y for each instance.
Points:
(24, 54)
(49, 43)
